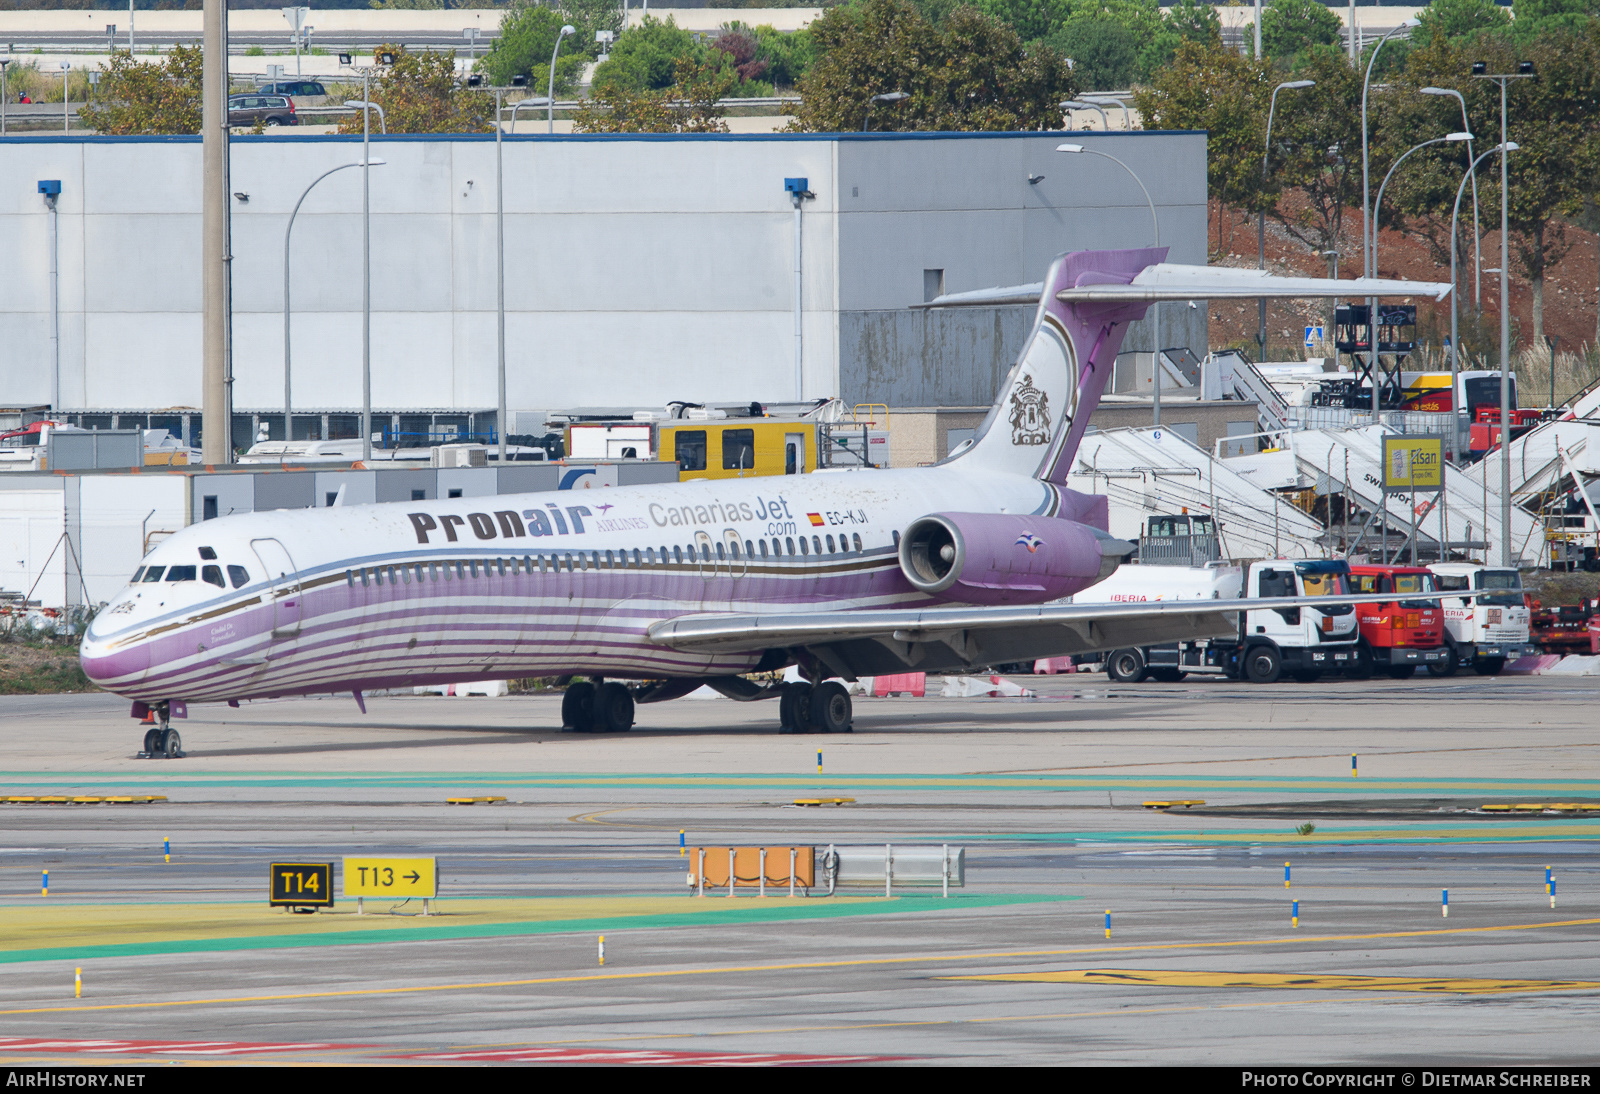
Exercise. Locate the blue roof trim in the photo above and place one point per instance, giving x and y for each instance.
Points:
(478, 138)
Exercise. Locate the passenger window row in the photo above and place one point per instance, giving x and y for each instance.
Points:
(582, 561)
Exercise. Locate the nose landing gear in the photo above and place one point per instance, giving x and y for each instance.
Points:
(161, 742)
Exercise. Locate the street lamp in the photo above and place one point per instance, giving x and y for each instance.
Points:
(363, 104)
(1480, 71)
(4, 64)
(500, 244)
(1477, 233)
(288, 402)
(66, 112)
(1453, 138)
(550, 93)
(1366, 211)
(891, 97)
(366, 106)
(1155, 309)
(1261, 216)
(1108, 100)
(1081, 104)
(1455, 344)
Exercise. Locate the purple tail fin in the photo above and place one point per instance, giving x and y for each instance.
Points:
(1044, 406)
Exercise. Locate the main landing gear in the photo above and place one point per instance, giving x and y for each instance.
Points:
(815, 708)
(600, 706)
(161, 741)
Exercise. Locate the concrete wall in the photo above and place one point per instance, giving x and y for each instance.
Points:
(659, 266)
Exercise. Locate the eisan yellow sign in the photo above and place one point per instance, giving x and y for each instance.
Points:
(1413, 463)
(391, 877)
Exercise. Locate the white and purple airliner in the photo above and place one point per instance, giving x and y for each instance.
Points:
(644, 593)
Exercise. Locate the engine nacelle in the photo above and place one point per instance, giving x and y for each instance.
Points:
(997, 558)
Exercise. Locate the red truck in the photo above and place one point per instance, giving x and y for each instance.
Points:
(1400, 634)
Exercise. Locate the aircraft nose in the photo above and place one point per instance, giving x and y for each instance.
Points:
(114, 668)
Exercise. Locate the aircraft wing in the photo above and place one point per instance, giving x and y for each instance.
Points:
(921, 640)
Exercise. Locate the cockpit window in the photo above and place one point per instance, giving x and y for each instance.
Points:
(208, 553)
(212, 575)
(180, 573)
(137, 574)
(238, 575)
(153, 573)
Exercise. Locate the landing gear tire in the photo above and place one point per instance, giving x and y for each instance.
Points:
(1168, 676)
(1402, 672)
(577, 706)
(830, 708)
(1489, 666)
(171, 744)
(1126, 666)
(613, 708)
(1361, 665)
(1262, 665)
(794, 709)
(152, 743)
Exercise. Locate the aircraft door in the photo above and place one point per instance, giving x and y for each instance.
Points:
(285, 580)
(703, 554)
(794, 453)
(734, 547)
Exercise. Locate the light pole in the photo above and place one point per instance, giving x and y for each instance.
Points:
(66, 113)
(1082, 104)
(536, 101)
(367, 106)
(1107, 100)
(1480, 71)
(1261, 216)
(891, 97)
(550, 118)
(1453, 138)
(1455, 343)
(4, 64)
(500, 249)
(1477, 232)
(288, 401)
(1155, 309)
(1366, 218)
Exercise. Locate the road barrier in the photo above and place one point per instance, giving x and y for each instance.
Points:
(752, 867)
(918, 865)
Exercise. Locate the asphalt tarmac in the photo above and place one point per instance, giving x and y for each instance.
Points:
(184, 962)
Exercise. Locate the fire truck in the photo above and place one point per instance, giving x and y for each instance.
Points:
(1398, 635)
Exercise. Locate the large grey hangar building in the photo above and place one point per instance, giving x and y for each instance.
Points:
(638, 269)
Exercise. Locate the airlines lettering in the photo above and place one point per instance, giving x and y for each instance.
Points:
(505, 523)
(716, 513)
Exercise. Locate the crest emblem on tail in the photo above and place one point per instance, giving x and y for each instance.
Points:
(1030, 414)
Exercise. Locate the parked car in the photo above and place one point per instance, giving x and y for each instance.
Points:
(298, 88)
(268, 109)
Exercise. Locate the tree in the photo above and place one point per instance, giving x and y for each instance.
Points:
(1100, 36)
(1031, 19)
(1290, 27)
(1104, 53)
(527, 40)
(1195, 22)
(970, 73)
(690, 105)
(1212, 88)
(788, 56)
(420, 93)
(1459, 18)
(139, 98)
(1318, 134)
(645, 57)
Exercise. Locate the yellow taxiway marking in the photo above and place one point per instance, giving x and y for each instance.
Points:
(1182, 978)
(860, 962)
